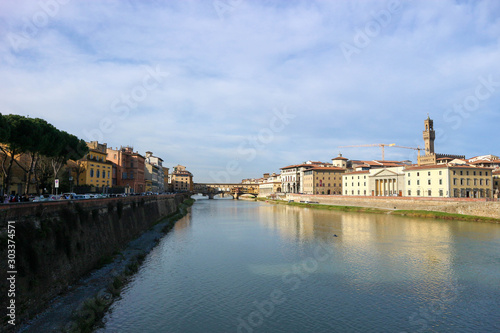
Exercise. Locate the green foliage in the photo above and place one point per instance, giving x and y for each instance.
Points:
(35, 136)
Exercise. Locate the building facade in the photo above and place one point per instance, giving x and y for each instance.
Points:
(496, 184)
(181, 179)
(129, 169)
(94, 169)
(154, 172)
(323, 180)
(451, 181)
(356, 183)
(375, 182)
(270, 185)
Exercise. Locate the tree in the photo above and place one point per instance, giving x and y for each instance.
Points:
(16, 139)
(36, 138)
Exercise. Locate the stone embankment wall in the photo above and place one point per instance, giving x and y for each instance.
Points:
(56, 243)
(476, 207)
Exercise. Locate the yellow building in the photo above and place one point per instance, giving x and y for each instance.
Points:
(181, 179)
(270, 185)
(323, 180)
(453, 181)
(94, 169)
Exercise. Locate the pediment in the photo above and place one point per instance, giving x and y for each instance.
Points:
(385, 173)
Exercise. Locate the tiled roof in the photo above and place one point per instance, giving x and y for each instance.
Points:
(327, 169)
(441, 166)
(356, 172)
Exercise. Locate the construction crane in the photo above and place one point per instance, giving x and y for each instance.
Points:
(381, 145)
(418, 148)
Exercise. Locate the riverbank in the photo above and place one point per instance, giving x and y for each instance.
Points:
(374, 210)
(84, 304)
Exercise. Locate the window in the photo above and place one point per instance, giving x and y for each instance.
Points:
(98, 173)
(461, 172)
(409, 192)
(487, 182)
(418, 174)
(409, 174)
(418, 193)
(409, 182)
(454, 181)
(440, 193)
(91, 172)
(440, 182)
(474, 173)
(429, 193)
(428, 181)
(461, 181)
(418, 182)
(480, 182)
(468, 181)
(467, 172)
(440, 172)
(428, 173)
(124, 175)
(108, 174)
(486, 173)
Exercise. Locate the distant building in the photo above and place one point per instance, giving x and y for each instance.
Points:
(94, 169)
(387, 181)
(430, 157)
(181, 179)
(446, 180)
(496, 183)
(270, 185)
(340, 162)
(153, 173)
(323, 180)
(165, 180)
(129, 169)
(292, 175)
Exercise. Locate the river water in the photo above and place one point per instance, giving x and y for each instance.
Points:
(241, 266)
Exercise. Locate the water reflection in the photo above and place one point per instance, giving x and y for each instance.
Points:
(378, 274)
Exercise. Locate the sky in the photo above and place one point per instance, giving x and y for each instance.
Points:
(233, 89)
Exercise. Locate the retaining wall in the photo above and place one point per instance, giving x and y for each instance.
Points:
(467, 206)
(56, 243)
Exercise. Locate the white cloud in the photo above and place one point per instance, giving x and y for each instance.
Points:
(227, 75)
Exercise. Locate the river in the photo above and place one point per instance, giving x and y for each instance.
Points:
(244, 266)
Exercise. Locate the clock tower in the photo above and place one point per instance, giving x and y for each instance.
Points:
(429, 136)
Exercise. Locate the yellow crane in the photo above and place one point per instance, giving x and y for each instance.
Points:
(381, 145)
(418, 148)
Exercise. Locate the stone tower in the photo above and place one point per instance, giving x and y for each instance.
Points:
(429, 136)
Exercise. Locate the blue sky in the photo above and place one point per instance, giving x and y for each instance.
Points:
(232, 89)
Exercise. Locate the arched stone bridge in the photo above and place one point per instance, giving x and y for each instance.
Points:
(235, 190)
